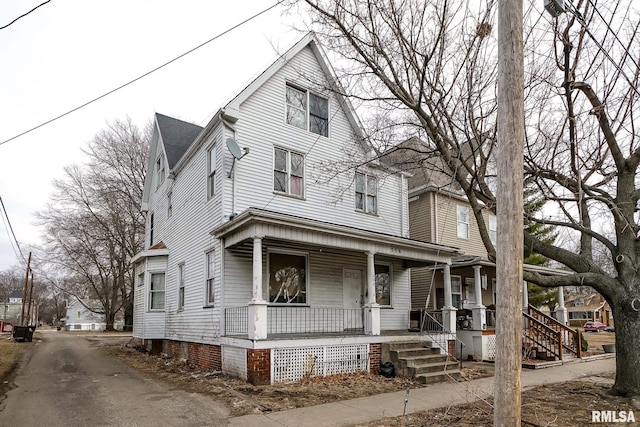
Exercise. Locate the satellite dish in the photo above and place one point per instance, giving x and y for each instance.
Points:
(234, 149)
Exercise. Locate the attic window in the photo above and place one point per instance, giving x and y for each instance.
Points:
(307, 111)
(159, 171)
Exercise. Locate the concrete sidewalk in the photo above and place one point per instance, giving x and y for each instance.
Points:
(372, 408)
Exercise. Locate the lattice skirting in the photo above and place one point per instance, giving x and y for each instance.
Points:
(491, 346)
(294, 364)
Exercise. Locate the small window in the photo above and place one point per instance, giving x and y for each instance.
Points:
(151, 229)
(366, 193)
(180, 286)
(288, 172)
(383, 284)
(211, 176)
(493, 229)
(159, 171)
(169, 204)
(315, 118)
(462, 217)
(156, 291)
(210, 283)
(287, 278)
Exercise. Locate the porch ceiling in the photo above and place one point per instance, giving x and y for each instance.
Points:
(272, 225)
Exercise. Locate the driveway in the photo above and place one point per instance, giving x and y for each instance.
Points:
(65, 380)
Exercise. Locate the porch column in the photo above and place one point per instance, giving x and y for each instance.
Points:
(479, 311)
(448, 311)
(372, 309)
(561, 311)
(257, 309)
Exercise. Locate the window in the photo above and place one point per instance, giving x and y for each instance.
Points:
(288, 172)
(211, 176)
(156, 291)
(287, 278)
(169, 204)
(383, 284)
(493, 229)
(210, 285)
(140, 279)
(180, 286)
(159, 171)
(315, 119)
(151, 229)
(462, 217)
(456, 291)
(366, 193)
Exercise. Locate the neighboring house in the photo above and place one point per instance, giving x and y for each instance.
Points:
(592, 307)
(275, 260)
(459, 297)
(12, 307)
(81, 318)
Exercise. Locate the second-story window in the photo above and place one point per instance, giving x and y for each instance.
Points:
(169, 204)
(366, 193)
(288, 172)
(462, 219)
(493, 229)
(210, 279)
(159, 171)
(151, 229)
(211, 175)
(307, 111)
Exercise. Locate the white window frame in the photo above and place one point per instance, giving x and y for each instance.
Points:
(159, 170)
(458, 292)
(212, 160)
(462, 224)
(181, 287)
(366, 193)
(162, 291)
(288, 172)
(306, 110)
(305, 255)
(151, 227)
(493, 228)
(210, 278)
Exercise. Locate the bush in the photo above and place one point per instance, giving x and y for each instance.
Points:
(584, 345)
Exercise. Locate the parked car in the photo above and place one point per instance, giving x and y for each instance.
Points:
(594, 326)
(610, 329)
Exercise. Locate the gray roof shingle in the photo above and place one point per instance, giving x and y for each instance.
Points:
(177, 136)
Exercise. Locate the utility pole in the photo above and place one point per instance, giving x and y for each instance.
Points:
(509, 206)
(24, 291)
(29, 300)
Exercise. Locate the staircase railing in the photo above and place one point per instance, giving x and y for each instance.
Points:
(540, 336)
(570, 338)
(434, 329)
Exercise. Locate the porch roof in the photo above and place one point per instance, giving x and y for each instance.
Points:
(268, 224)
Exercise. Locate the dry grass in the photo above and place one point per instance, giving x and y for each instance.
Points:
(10, 354)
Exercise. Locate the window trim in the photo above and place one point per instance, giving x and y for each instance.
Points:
(151, 227)
(209, 290)
(288, 172)
(160, 170)
(151, 291)
(460, 300)
(307, 109)
(211, 171)
(365, 194)
(181, 287)
(280, 251)
(461, 223)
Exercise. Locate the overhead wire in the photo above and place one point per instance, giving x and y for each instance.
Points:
(24, 14)
(228, 30)
(9, 228)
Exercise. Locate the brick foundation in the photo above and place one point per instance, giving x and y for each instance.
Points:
(375, 356)
(259, 366)
(205, 356)
(451, 347)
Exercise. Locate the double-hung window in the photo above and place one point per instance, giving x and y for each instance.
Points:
(180, 286)
(288, 172)
(156, 291)
(211, 174)
(456, 291)
(493, 229)
(151, 225)
(159, 171)
(366, 193)
(307, 111)
(287, 278)
(210, 281)
(462, 219)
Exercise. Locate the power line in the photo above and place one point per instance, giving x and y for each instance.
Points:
(145, 74)
(10, 228)
(24, 14)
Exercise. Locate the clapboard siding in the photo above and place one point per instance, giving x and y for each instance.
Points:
(447, 227)
(421, 218)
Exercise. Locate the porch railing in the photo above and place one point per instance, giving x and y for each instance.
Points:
(570, 338)
(298, 320)
(540, 336)
(431, 320)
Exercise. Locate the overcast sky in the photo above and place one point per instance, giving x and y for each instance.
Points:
(68, 52)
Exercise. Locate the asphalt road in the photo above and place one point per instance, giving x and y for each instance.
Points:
(67, 381)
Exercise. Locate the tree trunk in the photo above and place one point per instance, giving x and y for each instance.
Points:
(627, 320)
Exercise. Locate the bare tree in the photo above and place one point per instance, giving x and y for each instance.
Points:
(428, 68)
(93, 222)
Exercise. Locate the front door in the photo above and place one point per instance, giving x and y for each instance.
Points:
(353, 295)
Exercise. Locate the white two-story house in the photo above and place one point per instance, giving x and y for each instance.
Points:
(275, 247)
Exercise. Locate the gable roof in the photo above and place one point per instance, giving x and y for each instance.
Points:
(16, 294)
(177, 136)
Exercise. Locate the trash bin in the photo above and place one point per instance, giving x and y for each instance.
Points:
(387, 370)
(30, 330)
(23, 333)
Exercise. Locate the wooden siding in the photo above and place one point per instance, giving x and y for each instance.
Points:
(421, 218)
(447, 227)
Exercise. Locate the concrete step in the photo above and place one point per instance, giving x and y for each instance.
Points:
(403, 345)
(437, 377)
(448, 366)
(412, 352)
